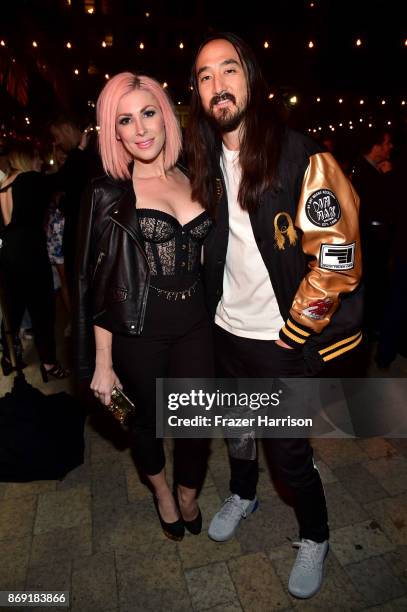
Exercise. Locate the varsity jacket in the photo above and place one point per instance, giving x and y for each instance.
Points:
(307, 232)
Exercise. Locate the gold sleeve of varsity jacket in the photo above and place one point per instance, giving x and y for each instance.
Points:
(328, 215)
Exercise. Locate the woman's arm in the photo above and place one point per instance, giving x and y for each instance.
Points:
(104, 377)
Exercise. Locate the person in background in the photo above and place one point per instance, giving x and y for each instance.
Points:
(25, 268)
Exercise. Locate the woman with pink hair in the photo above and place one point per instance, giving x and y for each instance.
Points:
(139, 281)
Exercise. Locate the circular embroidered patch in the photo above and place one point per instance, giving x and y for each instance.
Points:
(322, 208)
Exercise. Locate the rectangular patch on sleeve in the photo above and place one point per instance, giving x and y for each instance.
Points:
(337, 256)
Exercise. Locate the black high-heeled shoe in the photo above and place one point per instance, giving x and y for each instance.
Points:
(7, 367)
(57, 371)
(194, 526)
(174, 531)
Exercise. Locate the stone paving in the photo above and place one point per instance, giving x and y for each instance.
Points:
(96, 534)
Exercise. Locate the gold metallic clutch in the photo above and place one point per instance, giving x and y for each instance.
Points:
(121, 407)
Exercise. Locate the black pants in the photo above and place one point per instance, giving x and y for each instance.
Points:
(176, 342)
(292, 458)
(30, 286)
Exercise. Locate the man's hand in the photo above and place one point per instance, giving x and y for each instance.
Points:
(283, 344)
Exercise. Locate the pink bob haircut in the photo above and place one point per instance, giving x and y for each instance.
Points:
(115, 158)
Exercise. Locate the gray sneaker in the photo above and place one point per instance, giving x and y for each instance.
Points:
(306, 575)
(225, 522)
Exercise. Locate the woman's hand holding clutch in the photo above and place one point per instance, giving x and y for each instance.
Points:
(103, 381)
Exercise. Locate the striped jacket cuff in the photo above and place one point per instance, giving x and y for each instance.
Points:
(294, 334)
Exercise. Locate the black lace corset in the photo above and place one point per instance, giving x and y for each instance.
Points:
(172, 249)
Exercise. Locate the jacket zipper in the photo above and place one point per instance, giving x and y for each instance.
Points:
(99, 259)
(144, 303)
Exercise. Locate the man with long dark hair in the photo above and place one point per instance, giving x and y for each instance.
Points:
(284, 249)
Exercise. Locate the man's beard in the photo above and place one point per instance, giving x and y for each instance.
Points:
(226, 120)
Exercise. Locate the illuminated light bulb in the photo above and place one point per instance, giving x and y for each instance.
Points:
(104, 44)
(361, 120)
(350, 122)
(341, 125)
(68, 45)
(383, 102)
(314, 130)
(311, 44)
(271, 96)
(332, 129)
(361, 101)
(266, 45)
(51, 162)
(318, 99)
(35, 44)
(141, 46)
(178, 102)
(293, 100)
(351, 127)
(91, 11)
(165, 84)
(147, 14)
(340, 100)
(309, 129)
(358, 42)
(181, 45)
(389, 123)
(76, 71)
(405, 42)
(319, 128)
(107, 76)
(403, 103)
(191, 88)
(370, 125)
(2, 43)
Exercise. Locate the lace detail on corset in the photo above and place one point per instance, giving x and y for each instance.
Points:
(172, 248)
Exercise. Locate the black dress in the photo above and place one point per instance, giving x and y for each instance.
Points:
(176, 340)
(25, 268)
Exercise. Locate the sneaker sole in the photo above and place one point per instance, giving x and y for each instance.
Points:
(256, 505)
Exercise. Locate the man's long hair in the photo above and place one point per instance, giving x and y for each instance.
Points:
(261, 138)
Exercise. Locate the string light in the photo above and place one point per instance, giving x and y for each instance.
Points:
(405, 42)
(165, 85)
(266, 45)
(361, 101)
(181, 45)
(68, 45)
(403, 103)
(107, 77)
(178, 102)
(358, 42)
(311, 44)
(370, 125)
(271, 96)
(141, 46)
(76, 71)
(389, 123)
(104, 44)
(35, 44)
(383, 102)
(318, 99)
(91, 11)
(293, 100)
(340, 100)
(2, 43)
(147, 14)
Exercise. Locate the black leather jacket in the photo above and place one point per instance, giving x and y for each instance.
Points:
(113, 274)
